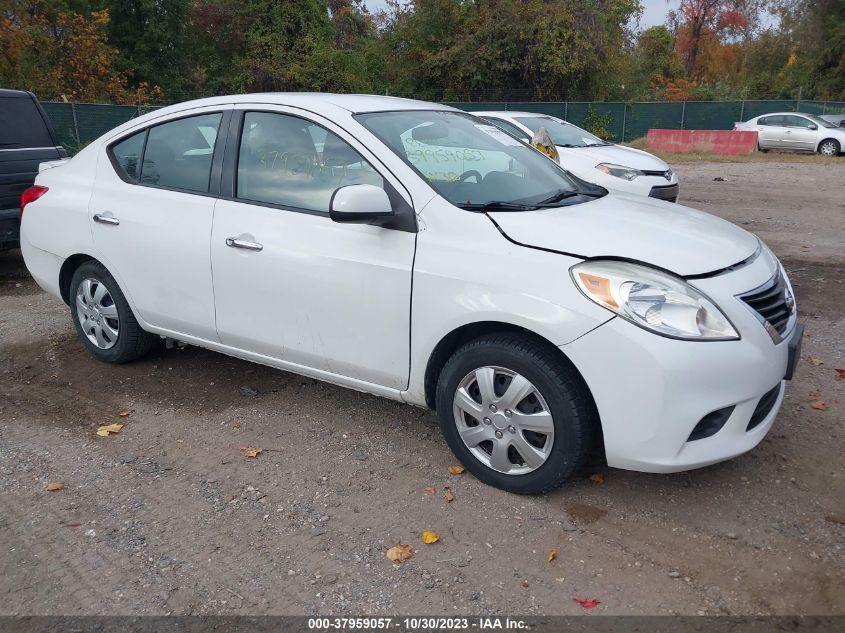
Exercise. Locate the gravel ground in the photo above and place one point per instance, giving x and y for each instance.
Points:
(170, 516)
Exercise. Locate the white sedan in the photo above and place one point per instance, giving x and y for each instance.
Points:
(616, 167)
(417, 252)
(796, 131)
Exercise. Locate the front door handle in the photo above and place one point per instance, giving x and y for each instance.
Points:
(250, 246)
(106, 219)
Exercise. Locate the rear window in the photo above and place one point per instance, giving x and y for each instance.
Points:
(127, 153)
(21, 124)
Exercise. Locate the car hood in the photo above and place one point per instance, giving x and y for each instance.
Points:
(669, 236)
(618, 155)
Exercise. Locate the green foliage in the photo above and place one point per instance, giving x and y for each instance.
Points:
(598, 123)
(491, 50)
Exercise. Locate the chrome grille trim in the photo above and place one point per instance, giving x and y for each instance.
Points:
(774, 306)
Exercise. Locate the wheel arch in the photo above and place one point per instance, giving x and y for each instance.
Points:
(69, 267)
(467, 332)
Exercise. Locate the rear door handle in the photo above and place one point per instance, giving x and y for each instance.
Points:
(106, 219)
(250, 246)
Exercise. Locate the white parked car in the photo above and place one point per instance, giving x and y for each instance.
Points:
(796, 131)
(616, 167)
(417, 252)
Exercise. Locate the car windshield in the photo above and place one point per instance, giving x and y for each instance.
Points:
(819, 121)
(562, 133)
(474, 164)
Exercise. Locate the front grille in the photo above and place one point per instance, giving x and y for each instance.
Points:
(668, 193)
(764, 407)
(773, 302)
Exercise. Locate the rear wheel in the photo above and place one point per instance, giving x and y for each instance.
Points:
(102, 317)
(829, 147)
(515, 413)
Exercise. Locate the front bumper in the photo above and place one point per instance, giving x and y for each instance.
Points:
(652, 392)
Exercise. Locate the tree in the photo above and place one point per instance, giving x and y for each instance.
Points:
(57, 53)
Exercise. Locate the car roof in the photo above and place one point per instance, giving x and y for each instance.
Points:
(316, 101)
(511, 113)
(785, 113)
(7, 93)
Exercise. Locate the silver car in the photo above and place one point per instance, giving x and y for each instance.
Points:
(795, 131)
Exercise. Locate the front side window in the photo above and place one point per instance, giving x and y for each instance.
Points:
(127, 154)
(563, 134)
(178, 154)
(291, 162)
(470, 162)
(797, 121)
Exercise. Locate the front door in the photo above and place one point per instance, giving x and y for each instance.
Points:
(798, 133)
(151, 214)
(291, 284)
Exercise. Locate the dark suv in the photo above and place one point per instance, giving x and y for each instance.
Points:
(26, 139)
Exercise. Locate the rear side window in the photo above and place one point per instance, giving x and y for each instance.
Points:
(127, 153)
(771, 120)
(291, 162)
(21, 124)
(178, 154)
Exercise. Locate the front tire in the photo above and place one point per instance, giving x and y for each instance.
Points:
(829, 147)
(516, 414)
(102, 317)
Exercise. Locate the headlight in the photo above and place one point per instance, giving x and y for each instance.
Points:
(620, 171)
(653, 300)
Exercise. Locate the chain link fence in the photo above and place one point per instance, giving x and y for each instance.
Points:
(620, 121)
(77, 124)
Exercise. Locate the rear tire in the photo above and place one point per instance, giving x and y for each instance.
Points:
(102, 316)
(829, 147)
(485, 423)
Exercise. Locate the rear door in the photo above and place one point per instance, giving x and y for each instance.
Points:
(770, 131)
(151, 214)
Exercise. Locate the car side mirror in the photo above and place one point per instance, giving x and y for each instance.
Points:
(813, 126)
(359, 204)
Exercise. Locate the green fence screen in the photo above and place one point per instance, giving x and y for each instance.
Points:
(620, 121)
(77, 124)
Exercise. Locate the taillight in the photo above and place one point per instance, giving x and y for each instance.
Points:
(31, 195)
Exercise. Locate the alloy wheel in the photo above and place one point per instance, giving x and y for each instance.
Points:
(503, 420)
(829, 148)
(97, 313)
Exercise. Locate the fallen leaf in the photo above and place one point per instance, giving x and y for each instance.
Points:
(816, 361)
(55, 485)
(179, 440)
(252, 452)
(597, 478)
(448, 496)
(400, 552)
(590, 603)
(456, 470)
(840, 374)
(430, 489)
(552, 554)
(428, 537)
(123, 414)
(104, 431)
(73, 524)
(819, 405)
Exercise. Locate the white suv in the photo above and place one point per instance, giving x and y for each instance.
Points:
(419, 253)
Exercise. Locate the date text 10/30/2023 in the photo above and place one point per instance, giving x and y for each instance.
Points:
(416, 624)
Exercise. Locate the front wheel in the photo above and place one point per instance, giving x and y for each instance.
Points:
(516, 413)
(102, 317)
(829, 147)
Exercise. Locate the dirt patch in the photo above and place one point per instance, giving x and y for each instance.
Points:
(171, 516)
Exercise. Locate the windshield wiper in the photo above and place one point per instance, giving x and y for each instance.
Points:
(496, 205)
(559, 195)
